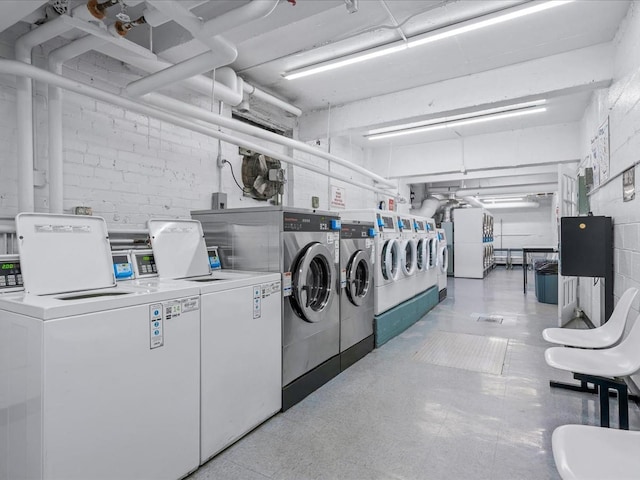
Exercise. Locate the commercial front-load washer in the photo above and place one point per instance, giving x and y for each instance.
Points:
(388, 291)
(106, 376)
(304, 246)
(357, 257)
(432, 247)
(409, 257)
(422, 254)
(240, 329)
(443, 262)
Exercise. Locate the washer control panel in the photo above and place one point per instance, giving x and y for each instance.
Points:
(144, 263)
(10, 274)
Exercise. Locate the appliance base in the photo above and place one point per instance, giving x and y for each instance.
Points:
(309, 382)
(354, 353)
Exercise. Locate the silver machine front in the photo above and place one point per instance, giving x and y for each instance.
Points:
(357, 258)
(304, 247)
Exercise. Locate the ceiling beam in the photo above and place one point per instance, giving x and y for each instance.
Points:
(579, 70)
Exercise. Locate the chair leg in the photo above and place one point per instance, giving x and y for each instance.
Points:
(583, 387)
(604, 385)
(623, 409)
(604, 407)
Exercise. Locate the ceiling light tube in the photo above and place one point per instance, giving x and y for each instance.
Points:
(429, 37)
(479, 113)
(457, 123)
(504, 199)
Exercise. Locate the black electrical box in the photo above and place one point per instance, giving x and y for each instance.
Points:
(586, 246)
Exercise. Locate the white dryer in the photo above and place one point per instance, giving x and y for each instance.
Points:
(107, 376)
(241, 340)
(443, 263)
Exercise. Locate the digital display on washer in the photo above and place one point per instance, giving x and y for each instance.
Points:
(407, 223)
(420, 225)
(146, 264)
(10, 275)
(121, 266)
(388, 222)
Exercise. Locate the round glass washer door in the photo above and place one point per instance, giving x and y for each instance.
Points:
(443, 259)
(312, 282)
(390, 261)
(409, 255)
(358, 277)
(433, 253)
(423, 255)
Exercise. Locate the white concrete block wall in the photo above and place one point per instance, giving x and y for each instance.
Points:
(620, 103)
(129, 167)
(517, 228)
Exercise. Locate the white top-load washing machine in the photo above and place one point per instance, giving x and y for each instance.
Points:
(240, 330)
(388, 256)
(409, 256)
(103, 380)
(443, 262)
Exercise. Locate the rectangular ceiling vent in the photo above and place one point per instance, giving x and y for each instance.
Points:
(257, 122)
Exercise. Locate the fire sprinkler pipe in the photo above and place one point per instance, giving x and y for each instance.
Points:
(12, 67)
(170, 104)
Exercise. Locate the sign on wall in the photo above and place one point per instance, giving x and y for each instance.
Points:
(600, 154)
(629, 184)
(338, 197)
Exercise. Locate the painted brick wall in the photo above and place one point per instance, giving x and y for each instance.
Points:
(621, 104)
(517, 228)
(129, 167)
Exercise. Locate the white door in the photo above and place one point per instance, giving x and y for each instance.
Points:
(567, 207)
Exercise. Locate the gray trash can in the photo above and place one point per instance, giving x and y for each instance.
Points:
(547, 282)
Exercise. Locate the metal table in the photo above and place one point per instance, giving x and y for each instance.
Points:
(525, 262)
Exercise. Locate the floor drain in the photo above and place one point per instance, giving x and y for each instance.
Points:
(490, 318)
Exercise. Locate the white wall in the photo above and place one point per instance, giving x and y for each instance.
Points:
(620, 103)
(129, 167)
(553, 143)
(519, 227)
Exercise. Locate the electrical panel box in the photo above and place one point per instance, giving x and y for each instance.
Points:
(586, 246)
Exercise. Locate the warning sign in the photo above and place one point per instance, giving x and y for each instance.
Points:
(338, 197)
(391, 204)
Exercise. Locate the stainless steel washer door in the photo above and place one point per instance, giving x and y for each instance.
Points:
(312, 282)
(358, 277)
(433, 253)
(443, 259)
(423, 255)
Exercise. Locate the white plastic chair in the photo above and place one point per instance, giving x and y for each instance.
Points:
(585, 452)
(602, 337)
(604, 368)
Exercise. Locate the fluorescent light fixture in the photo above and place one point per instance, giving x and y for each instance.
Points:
(503, 199)
(428, 37)
(458, 123)
(479, 113)
(493, 206)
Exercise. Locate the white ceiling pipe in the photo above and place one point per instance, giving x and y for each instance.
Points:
(473, 201)
(180, 71)
(252, 11)
(12, 67)
(56, 160)
(24, 103)
(222, 52)
(268, 98)
(227, 77)
(192, 111)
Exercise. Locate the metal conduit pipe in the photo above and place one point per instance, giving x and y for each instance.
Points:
(12, 67)
(183, 108)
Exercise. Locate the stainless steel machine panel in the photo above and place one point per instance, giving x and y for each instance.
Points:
(356, 300)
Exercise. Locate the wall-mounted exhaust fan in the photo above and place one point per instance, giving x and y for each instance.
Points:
(263, 176)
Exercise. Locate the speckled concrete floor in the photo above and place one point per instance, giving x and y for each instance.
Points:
(391, 416)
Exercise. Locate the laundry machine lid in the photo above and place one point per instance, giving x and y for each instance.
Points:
(63, 253)
(179, 248)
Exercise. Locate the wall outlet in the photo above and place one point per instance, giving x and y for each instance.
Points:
(315, 202)
(83, 211)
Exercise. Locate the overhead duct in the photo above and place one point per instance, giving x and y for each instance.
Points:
(427, 208)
